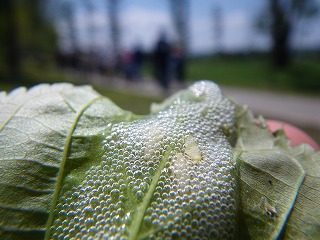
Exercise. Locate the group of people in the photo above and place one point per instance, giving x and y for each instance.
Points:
(131, 62)
(168, 62)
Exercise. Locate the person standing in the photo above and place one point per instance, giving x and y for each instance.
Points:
(138, 58)
(178, 63)
(161, 61)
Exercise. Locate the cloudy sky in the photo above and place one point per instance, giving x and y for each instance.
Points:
(142, 20)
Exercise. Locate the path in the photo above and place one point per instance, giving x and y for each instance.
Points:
(296, 109)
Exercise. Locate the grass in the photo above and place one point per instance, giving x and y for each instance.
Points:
(32, 74)
(256, 73)
(248, 73)
(137, 104)
(301, 76)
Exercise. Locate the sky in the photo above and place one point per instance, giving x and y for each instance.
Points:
(142, 20)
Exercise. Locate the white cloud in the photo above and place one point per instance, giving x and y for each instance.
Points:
(142, 25)
(237, 33)
(201, 35)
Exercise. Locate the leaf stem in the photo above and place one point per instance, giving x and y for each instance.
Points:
(140, 212)
(63, 162)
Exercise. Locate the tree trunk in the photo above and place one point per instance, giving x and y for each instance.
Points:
(13, 55)
(180, 18)
(280, 32)
(114, 26)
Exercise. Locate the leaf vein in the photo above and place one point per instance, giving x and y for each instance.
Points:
(63, 161)
(140, 212)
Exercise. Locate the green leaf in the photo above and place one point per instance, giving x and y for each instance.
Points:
(252, 132)
(38, 129)
(75, 165)
(166, 175)
(304, 222)
(269, 183)
(278, 186)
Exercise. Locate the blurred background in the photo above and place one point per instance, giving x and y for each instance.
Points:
(263, 53)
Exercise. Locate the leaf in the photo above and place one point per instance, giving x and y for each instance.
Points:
(74, 165)
(279, 186)
(99, 171)
(166, 175)
(269, 183)
(37, 129)
(252, 132)
(304, 222)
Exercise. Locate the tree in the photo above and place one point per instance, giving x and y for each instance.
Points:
(114, 26)
(280, 33)
(180, 16)
(26, 38)
(279, 20)
(10, 40)
(91, 25)
(217, 16)
(67, 12)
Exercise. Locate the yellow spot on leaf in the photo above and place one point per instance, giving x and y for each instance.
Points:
(192, 149)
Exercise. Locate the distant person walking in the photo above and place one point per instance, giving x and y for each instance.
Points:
(161, 60)
(177, 66)
(127, 64)
(138, 58)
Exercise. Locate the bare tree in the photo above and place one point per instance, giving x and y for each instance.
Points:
(114, 25)
(90, 8)
(67, 13)
(25, 36)
(281, 29)
(280, 21)
(10, 40)
(217, 28)
(180, 18)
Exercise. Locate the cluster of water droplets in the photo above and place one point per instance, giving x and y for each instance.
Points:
(166, 176)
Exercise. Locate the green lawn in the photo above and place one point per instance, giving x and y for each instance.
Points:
(135, 103)
(301, 76)
(246, 73)
(257, 73)
(253, 73)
